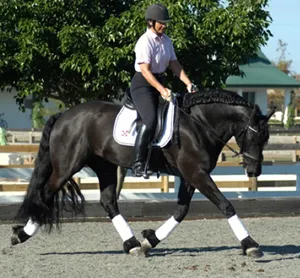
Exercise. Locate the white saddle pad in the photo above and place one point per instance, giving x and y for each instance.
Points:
(124, 136)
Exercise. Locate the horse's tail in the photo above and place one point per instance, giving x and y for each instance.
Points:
(33, 205)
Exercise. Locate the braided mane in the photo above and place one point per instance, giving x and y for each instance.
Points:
(214, 96)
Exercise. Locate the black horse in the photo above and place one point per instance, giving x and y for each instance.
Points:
(83, 136)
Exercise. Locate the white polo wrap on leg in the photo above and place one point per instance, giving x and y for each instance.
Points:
(163, 231)
(31, 227)
(122, 227)
(238, 227)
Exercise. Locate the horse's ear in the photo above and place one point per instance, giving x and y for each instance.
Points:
(270, 113)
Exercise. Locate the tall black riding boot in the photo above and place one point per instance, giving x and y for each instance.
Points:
(142, 142)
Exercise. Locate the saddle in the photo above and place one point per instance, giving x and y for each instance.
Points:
(161, 114)
(128, 122)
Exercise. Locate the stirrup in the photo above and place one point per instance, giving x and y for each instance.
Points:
(140, 170)
(147, 173)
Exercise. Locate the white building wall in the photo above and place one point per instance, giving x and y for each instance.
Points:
(261, 99)
(261, 96)
(15, 118)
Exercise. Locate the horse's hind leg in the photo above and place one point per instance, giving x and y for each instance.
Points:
(121, 177)
(107, 175)
(209, 189)
(42, 213)
(41, 203)
(151, 237)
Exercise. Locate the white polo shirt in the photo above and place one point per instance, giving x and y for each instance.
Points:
(154, 50)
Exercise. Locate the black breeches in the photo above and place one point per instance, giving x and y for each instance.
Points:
(146, 103)
(146, 100)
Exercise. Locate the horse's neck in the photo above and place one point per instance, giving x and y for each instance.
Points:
(221, 122)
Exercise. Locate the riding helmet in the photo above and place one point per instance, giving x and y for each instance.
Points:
(157, 12)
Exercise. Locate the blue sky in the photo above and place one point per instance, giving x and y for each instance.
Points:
(285, 26)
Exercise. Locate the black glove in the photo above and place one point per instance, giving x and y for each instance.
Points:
(192, 88)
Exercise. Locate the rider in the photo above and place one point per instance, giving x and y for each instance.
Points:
(154, 52)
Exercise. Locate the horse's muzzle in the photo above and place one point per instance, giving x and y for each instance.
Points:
(253, 170)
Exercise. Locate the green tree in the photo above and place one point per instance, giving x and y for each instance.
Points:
(3, 140)
(290, 116)
(83, 49)
(283, 63)
(290, 122)
(37, 115)
(40, 111)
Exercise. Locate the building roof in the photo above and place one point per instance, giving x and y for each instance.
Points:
(261, 73)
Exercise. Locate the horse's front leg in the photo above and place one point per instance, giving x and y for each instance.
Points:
(151, 237)
(109, 202)
(209, 189)
(107, 175)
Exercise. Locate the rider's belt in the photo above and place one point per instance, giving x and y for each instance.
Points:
(159, 75)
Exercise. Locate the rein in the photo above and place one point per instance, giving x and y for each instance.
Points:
(204, 122)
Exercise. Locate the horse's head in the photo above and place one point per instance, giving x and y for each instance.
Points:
(227, 115)
(252, 136)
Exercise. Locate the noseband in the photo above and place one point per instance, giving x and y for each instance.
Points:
(242, 152)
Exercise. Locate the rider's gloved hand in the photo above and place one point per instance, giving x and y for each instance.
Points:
(166, 94)
(192, 88)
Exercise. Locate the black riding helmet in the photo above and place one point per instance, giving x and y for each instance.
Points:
(158, 12)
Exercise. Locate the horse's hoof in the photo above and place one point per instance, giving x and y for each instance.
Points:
(132, 246)
(254, 252)
(137, 251)
(18, 236)
(146, 246)
(15, 239)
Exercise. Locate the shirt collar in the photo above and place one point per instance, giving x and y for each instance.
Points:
(153, 35)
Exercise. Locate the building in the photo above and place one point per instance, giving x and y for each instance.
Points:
(259, 76)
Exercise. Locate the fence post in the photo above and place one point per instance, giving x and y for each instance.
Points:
(220, 157)
(253, 181)
(176, 184)
(165, 183)
(297, 172)
(30, 137)
(294, 153)
(77, 180)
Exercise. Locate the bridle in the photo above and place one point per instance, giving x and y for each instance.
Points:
(244, 132)
(203, 122)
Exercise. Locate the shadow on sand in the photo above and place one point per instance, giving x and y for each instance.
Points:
(288, 251)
